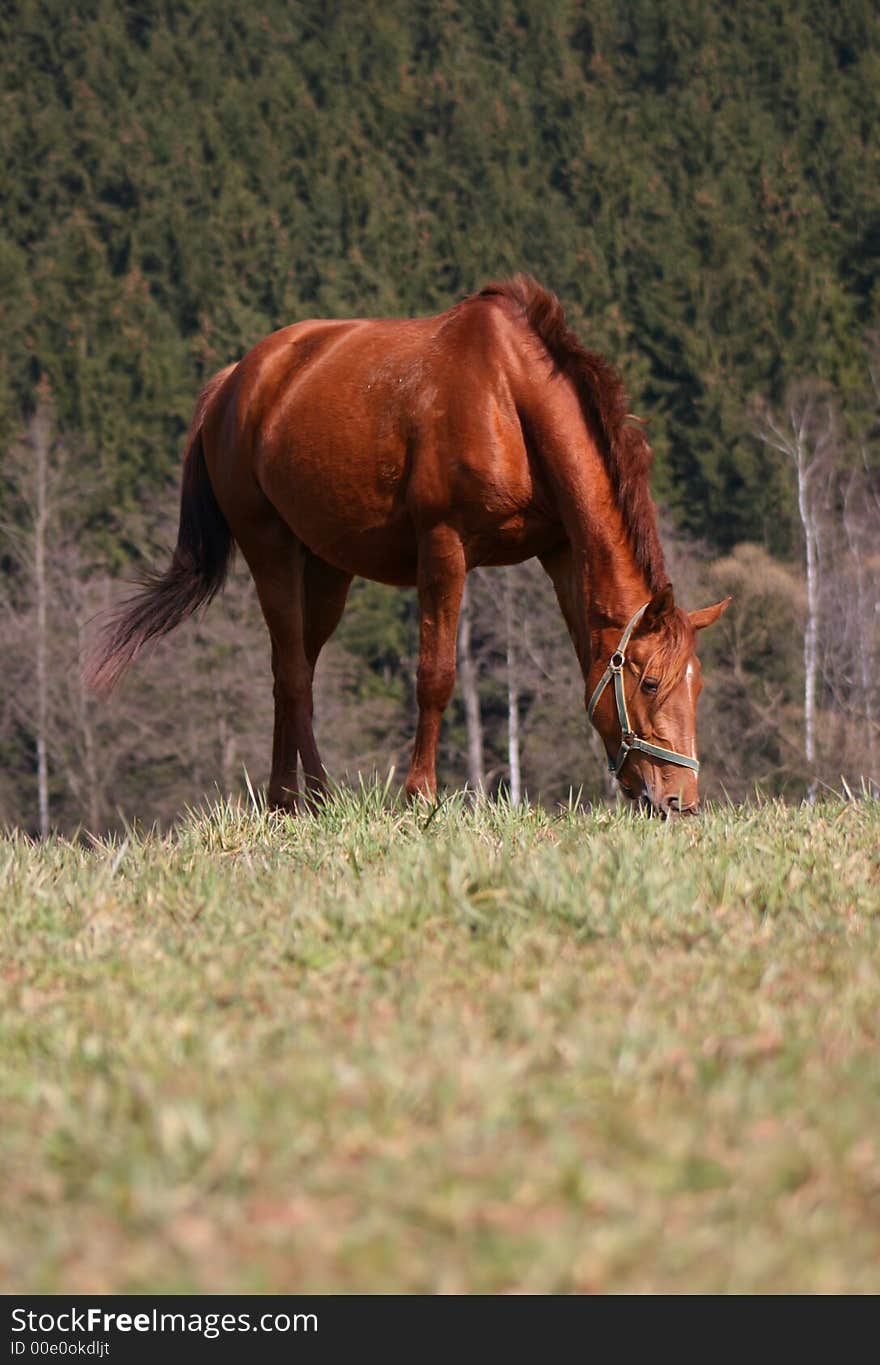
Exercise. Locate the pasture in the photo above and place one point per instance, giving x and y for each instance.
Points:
(471, 1050)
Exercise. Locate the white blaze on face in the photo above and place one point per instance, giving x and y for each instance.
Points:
(690, 679)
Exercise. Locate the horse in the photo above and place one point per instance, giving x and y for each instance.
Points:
(409, 451)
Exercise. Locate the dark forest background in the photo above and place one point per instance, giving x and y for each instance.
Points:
(700, 184)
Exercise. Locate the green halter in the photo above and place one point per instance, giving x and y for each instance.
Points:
(628, 738)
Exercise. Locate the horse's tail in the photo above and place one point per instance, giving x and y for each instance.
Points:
(196, 573)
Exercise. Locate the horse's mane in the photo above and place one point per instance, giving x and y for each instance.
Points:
(623, 446)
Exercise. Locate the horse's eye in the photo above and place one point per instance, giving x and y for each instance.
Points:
(650, 685)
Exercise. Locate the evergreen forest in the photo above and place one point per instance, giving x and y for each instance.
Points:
(699, 183)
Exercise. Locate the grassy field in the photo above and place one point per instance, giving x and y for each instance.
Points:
(476, 1050)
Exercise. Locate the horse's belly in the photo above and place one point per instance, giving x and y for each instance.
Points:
(513, 541)
(347, 509)
(386, 554)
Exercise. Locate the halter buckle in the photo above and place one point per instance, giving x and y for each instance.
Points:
(617, 660)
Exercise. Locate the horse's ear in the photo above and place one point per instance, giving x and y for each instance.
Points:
(661, 605)
(707, 616)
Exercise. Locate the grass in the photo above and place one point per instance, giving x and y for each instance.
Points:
(480, 1050)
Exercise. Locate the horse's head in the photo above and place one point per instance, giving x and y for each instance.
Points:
(642, 697)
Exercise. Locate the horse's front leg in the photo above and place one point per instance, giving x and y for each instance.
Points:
(441, 576)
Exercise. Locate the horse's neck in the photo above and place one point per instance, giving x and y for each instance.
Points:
(611, 584)
(606, 586)
(606, 590)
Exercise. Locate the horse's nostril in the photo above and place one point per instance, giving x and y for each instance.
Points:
(671, 803)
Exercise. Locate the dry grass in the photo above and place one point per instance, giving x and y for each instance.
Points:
(374, 1051)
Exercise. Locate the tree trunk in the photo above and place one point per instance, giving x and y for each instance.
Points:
(811, 631)
(467, 672)
(811, 445)
(40, 439)
(512, 697)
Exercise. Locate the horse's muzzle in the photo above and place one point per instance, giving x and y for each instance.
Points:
(670, 807)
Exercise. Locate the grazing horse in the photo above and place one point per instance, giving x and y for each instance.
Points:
(410, 451)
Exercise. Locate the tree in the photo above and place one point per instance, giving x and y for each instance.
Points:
(807, 437)
(512, 661)
(467, 675)
(32, 482)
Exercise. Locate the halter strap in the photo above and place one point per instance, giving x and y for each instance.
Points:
(628, 738)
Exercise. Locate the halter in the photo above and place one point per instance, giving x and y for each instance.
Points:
(628, 738)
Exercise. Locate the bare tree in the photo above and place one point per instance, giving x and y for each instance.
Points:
(513, 751)
(751, 712)
(807, 437)
(39, 439)
(31, 476)
(467, 673)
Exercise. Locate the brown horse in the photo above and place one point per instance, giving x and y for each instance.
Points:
(408, 452)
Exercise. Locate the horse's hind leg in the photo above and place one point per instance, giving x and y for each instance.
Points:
(441, 577)
(283, 791)
(277, 560)
(325, 592)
